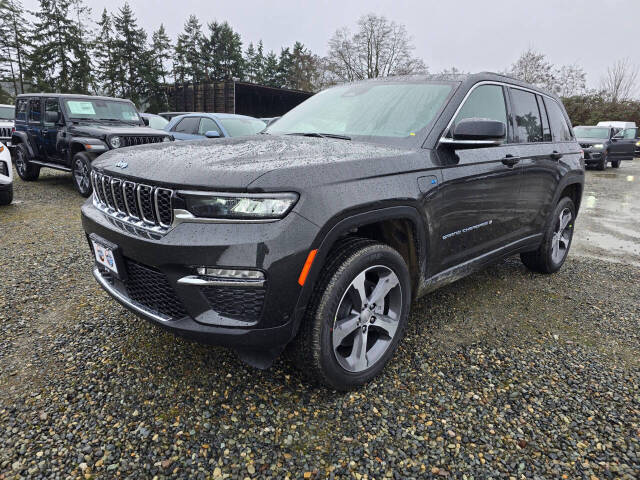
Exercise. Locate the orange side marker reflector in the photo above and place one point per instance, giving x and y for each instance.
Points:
(307, 267)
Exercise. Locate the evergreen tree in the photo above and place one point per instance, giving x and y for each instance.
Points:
(14, 43)
(270, 70)
(54, 35)
(285, 66)
(81, 69)
(223, 53)
(189, 47)
(161, 48)
(156, 72)
(249, 58)
(130, 55)
(106, 66)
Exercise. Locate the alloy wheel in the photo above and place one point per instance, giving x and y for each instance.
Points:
(562, 236)
(367, 319)
(81, 175)
(21, 165)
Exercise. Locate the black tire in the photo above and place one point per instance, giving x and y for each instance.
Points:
(616, 163)
(26, 171)
(81, 173)
(603, 161)
(6, 196)
(312, 350)
(543, 259)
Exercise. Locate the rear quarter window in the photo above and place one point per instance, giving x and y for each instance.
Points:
(559, 126)
(527, 116)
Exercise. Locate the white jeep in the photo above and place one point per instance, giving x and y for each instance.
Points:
(7, 116)
(6, 176)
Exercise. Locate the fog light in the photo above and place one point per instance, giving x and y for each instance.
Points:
(231, 273)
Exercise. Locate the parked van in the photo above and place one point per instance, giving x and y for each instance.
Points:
(621, 125)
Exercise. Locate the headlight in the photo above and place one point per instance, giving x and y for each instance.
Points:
(637, 144)
(166, 139)
(114, 142)
(240, 207)
(598, 146)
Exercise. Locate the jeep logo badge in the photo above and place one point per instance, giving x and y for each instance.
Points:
(122, 165)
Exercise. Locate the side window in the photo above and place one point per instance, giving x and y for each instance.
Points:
(559, 127)
(51, 109)
(187, 125)
(527, 114)
(486, 101)
(21, 110)
(629, 133)
(35, 110)
(208, 125)
(546, 130)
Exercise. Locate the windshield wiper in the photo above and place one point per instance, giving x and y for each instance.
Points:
(321, 135)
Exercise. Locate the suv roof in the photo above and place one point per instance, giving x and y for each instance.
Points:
(71, 95)
(470, 78)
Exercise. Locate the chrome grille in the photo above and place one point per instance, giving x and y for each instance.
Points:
(140, 205)
(5, 132)
(130, 141)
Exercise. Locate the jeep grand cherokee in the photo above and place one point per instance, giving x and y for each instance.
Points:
(319, 233)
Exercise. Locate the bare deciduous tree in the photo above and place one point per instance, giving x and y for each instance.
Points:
(533, 67)
(570, 80)
(620, 82)
(378, 49)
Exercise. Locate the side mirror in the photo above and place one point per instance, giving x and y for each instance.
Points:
(52, 117)
(145, 120)
(478, 132)
(212, 134)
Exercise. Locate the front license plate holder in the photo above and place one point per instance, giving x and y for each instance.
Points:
(108, 255)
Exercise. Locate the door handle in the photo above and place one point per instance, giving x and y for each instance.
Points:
(556, 155)
(44, 131)
(509, 160)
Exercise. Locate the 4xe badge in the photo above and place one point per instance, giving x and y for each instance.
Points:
(122, 165)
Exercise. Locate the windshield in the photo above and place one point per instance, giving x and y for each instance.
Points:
(591, 132)
(157, 122)
(95, 109)
(7, 113)
(239, 126)
(370, 109)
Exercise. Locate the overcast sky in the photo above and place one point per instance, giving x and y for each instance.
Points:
(472, 35)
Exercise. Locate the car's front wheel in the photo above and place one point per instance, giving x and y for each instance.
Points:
(616, 163)
(357, 316)
(81, 169)
(26, 171)
(603, 161)
(553, 250)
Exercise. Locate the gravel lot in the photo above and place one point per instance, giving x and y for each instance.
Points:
(504, 374)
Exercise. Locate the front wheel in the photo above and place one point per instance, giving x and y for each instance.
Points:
(81, 170)
(26, 171)
(603, 162)
(553, 250)
(6, 196)
(357, 317)
(616, 163)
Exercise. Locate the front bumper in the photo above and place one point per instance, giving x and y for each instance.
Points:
(592, 156)
(241, 317)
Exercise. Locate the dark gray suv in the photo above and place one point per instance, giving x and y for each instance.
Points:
(319, 233)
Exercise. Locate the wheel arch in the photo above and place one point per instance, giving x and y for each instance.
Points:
(400, 227)
(20, 138)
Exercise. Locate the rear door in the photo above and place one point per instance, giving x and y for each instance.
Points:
(540, 133)
(34, 126)
(480, 187)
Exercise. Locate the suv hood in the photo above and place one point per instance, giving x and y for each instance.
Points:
(6, 123)
(102, 131)
(234, 163)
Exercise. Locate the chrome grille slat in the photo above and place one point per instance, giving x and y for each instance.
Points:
(139, 205)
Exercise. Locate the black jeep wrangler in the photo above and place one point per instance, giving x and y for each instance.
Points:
(67, 132)
(319, 233)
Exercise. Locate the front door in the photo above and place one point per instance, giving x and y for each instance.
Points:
(627, 143)
(480, 187)
(50, 130)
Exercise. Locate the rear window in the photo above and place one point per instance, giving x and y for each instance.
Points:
(21, 110)
(559, 126)
(35, 109)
